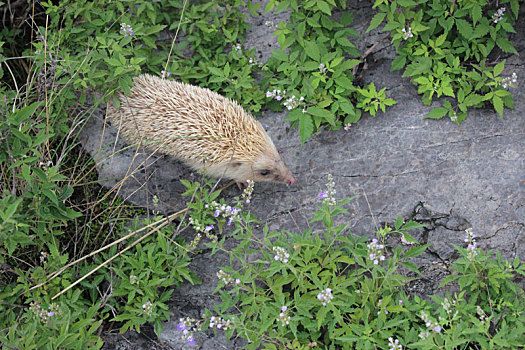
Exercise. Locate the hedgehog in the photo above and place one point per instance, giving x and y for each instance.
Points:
(199, 127)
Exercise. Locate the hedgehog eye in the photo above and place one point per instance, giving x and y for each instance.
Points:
(265, 172)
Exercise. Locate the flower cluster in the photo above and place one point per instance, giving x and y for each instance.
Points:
(281, 254)
(325, 296)
(237, 48)
(188, 326)
(481, 314)
(164, 74)
(275, 94)
(220, 323)
(133, 279)
(126, 30)
(147, 307)
(322, 68)
(498, 15)
(247, 193)
(375, 251)
(293, 102)
(470, 239)
(454, 117)
(226, 211)
(290, 103)
(509, 81)
(43, 314)
(43, 257)
(284, 317)
(393, 344)
(227, 279)
(329, 196)
(407, 33)
(430, 326)
(382, 309)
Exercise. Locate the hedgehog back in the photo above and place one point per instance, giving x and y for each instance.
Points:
(191, 123)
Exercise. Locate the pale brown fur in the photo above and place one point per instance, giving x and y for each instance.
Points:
(199, 127)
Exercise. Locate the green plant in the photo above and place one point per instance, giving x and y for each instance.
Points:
(312, 72)
(331, 289)
(446, 49)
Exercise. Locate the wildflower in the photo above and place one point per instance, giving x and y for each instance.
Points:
(224, 277)
(237, 48)
(509, 81)
(164, 74)
(322, 68)
(329, 196)
(188, 326)
(133, 279)
(43, 257)
(293, 102)
(283, 316)
(247, 193)
(126, 30)
(481, 314)
(347, 126)
(498, 15)
(430, 324)
(304, 110)
(470, 239)
(375, 251)
(325, 296)
(209, 228)
(220, 323)
(147, 307)
(281, 254)
(393, 344)
(454, 117)
(382, 308)
(190, 340)
(407, 33)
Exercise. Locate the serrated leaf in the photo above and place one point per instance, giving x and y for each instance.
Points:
(376, 21)
(154, 29)
(505, 45)
(306, 127)
(312, 50)
(476, 13)
(499, 68)
(399, 63)
(280, 55)
(415, 251)
(464, 28)
(324, 7)
(498, 105)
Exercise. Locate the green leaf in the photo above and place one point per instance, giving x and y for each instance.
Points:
(154, 29)
(23, 114)
(280, 55)
(498, 105)
(324, 7)
(399, 63)
(312, 50)
(464, 28)
(306, 127)
(505, 45)
(415, 251)
(419, 66)
(376, 21)
(436, 113)
(499, 68)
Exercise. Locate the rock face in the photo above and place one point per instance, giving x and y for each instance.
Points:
(449, 177)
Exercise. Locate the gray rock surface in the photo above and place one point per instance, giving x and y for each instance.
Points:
(446, 176)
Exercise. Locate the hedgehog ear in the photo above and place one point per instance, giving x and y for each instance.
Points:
(235, 164)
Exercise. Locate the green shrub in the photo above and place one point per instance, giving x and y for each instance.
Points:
(446, 49)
